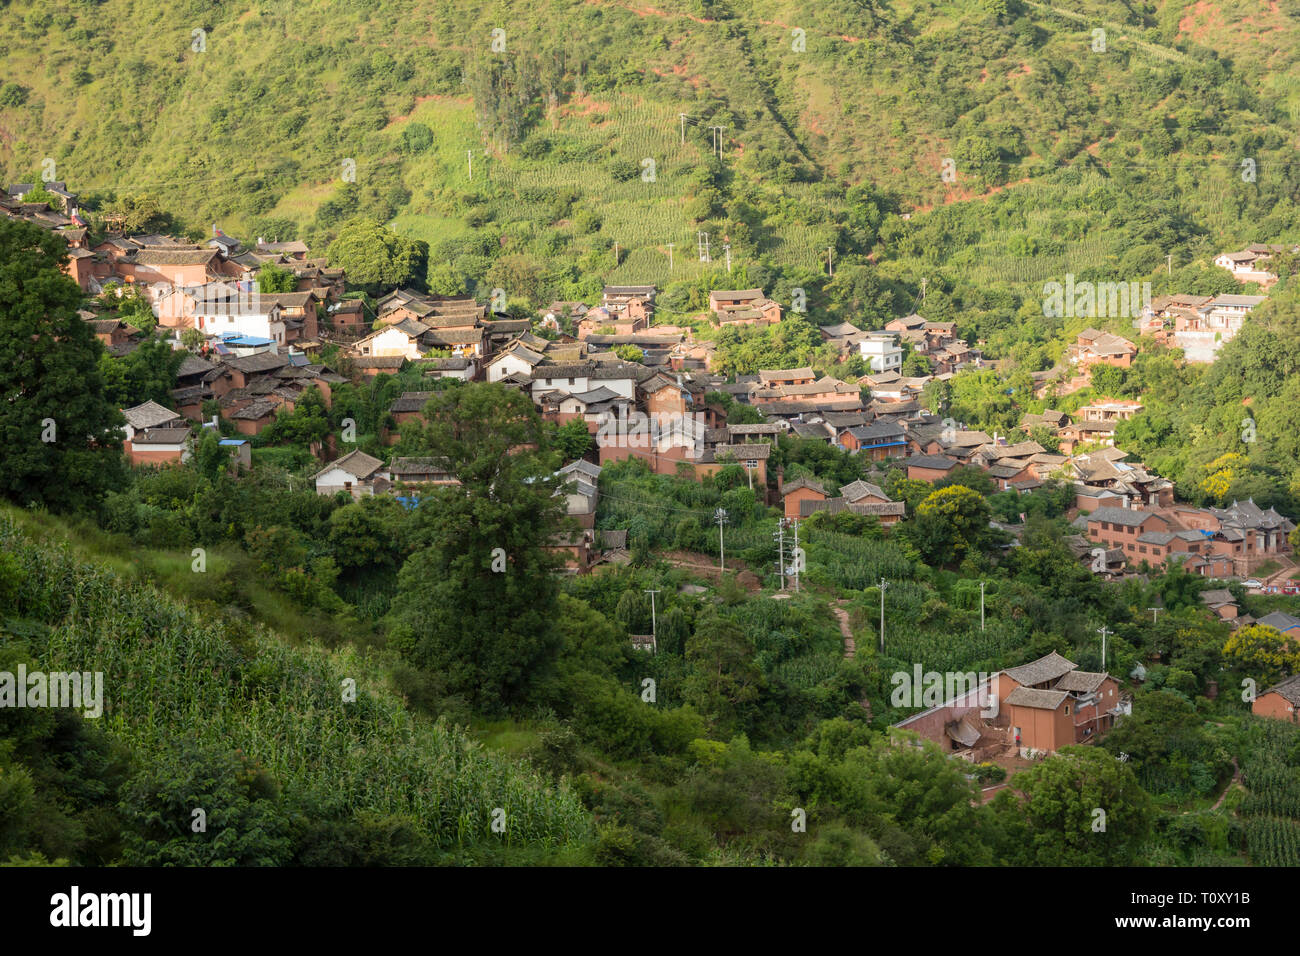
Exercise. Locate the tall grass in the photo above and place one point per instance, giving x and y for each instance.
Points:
(170, 671)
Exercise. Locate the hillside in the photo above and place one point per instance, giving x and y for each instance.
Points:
(330, 781)
(828, 139)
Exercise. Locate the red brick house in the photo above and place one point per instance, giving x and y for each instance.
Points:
(800, 490)
(1280, 702)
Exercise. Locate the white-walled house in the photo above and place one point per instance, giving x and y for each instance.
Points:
(391, 340)
(515, 359)
(881, 351)
(355, 473)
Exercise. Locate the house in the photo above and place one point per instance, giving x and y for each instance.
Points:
(1034, 708)
(240, 451)
(420, 471)
(514, 359)
(1250, 265)
(1109, 411)
(881, 351)
(630, 308)
(886, 512)
(347, 317)
(1221, 602)
(1050, 704)
(844, 334)
(148, 415)
(743, 307)
(252, 418)
(1280, 702)
(798, 491)
(164, 445)
(877, 441)
(457, 367)
(402, 339)
(1286, 623)
(930, 467)
(357, 473)
(788, 376)
(579, 486)
(1094, 347)
(1213, 325)
(408, 407)
(293, 250)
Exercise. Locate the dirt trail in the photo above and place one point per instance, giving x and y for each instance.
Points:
(850, 646)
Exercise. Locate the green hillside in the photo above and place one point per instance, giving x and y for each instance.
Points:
(187, 695)
(1060, 151)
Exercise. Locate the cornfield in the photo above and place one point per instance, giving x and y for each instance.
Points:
(170, 672)
(1272, 803)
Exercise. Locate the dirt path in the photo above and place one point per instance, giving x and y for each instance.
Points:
(850, 646)
(1235, 781)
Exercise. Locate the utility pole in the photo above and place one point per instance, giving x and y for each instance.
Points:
(1169, 264)
(981, 605)
(780, 550)
(720, 516)
(1103, 631)
(616, 253)
(883, 585)
(924, 281)
(683, 119)
(469, 158)
(830, 264)
(726, 247)
(654, 626)
(702, 245)
(717, 140)
(670, 257)
(1155, 613)
(796, 557)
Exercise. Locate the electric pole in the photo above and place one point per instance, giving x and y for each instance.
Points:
(654, 626)
(720, 516)
(1103, 631)
(683, 118)
(883, 585)
(830, 263)
(726, 247)
(1155, 613)
(469, 157)
(780, 550)
(702, 245)
(616, 253)
(797, 559)
(981, 605)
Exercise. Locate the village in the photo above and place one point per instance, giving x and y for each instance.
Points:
(251, 356)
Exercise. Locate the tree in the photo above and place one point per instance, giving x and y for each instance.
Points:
(243, 824)
(148, 373)
(376, 258)
(1263, 652)
(271, 279)
(1062, 798)
(1107, 380)
(629, 353)
(950, 524)
(476, 600)
(573, 440)
(62, 444)
(724, 678)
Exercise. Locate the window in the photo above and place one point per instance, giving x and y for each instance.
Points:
(1067, 710)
